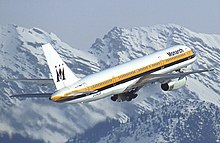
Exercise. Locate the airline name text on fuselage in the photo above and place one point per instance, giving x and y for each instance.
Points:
(173, 53)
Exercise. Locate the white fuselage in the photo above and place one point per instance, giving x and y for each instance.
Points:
(117, 79)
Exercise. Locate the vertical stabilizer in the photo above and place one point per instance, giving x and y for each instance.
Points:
(61, 73)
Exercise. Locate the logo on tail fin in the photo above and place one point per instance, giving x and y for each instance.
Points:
(60, 73)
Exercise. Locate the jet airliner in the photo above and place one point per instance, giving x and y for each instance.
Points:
(168, 67)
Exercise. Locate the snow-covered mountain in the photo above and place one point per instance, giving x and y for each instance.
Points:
(43, 121)
(179, 121)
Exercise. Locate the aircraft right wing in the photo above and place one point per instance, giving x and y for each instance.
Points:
(31, 95)
(47, 95)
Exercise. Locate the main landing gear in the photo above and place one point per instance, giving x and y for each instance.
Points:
(124, 97)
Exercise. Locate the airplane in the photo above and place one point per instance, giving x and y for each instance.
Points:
(168, 67)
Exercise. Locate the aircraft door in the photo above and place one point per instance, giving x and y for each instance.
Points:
(85, 86)
(161, 62)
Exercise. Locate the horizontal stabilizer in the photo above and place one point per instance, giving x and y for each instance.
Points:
(42, 82)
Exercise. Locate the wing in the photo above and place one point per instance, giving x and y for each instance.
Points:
(85, 92)
(31, 95)
(162, 78)
(48, 95)
(42, 82)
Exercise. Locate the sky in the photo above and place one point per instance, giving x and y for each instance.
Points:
(80, 22)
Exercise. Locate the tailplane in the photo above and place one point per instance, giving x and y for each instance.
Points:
(61, 73)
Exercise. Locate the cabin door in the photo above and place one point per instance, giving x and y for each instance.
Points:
(161, 62)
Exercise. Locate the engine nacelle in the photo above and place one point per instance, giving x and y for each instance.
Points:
(173, 84)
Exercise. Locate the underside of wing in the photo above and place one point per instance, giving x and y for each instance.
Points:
(31, 95)
(162, 78)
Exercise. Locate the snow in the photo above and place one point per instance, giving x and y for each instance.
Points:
(203, 91)
(22, 57)
(123, 118)
(168, 124)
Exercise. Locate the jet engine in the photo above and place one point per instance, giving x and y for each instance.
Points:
(173, 84)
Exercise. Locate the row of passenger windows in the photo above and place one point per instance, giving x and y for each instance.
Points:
(102, 83)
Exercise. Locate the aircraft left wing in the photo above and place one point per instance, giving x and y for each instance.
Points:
(162, 78)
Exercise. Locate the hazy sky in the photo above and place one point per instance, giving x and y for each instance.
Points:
(79, 23)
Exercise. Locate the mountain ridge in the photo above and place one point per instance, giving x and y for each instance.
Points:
(21, 57)
(171, 122)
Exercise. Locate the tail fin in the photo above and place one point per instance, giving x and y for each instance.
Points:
(62, 75)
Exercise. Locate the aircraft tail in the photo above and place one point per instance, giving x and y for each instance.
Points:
(61, 73)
